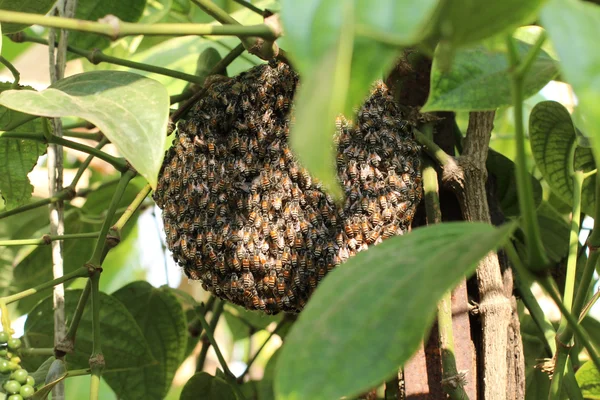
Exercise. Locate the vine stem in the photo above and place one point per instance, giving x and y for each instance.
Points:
(119, 163)
(97, 56)
(95, 266)
(114, 28)
(564, 341)
(538, 260)
(47, 239)
(131, 209)
(452, 380)
(15, 72)
(81, 272)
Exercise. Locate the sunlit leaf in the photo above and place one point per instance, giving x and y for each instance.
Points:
(479, 79)
(131, 110)
(588, 378)
(552, 136)
(375, 307)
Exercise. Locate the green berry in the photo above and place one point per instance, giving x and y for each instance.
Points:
(4, 337)
(16, 359)
(20, 375)
(15, 397)
(27, 391)
(4, 366)
(30, 381)
(14, 343)
(3, 352)
(13, 366)
(12, 387)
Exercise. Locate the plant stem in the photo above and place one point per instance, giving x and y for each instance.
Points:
(36, 351)
(565, 335)
(433, 149)
(78, 372)
(96, 358)
(260, 349)
(527, 62)
(96, 57)
(538, 260)
(119, 163)
(131, 209)
(452, 380)
(78, 273)
(216, 314)
(47, 239)
(84, 135)
(250, 7)
(114, 28)
(589, 305)
(69, 342)
(15, 73)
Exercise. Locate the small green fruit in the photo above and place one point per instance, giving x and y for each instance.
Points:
(14, 343)
(20, 376)
(27, 391)
(30, 381)
(12, 387)
(15, 397)
(4, 337)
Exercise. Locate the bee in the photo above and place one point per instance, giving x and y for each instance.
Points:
(271, 279)
(235, 283)
(245, 264)
(252, 217)
(352, 169)
(293, 171)
(220, 264)
(299, 241)
(276, 201)
(246, 103)
(281, 286)
(267, 116)
(374, 235)
(262, 94)
(247, 279)
(306, 177)
(278, 266)
(264, 205)
(318, 249)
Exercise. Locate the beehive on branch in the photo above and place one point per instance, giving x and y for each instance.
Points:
(246, 219)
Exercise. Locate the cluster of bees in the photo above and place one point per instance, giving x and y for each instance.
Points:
(243, 217)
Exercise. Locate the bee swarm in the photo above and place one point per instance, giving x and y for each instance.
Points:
(246, 219)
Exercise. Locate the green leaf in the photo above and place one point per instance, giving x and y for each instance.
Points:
(20, 156)
(573, 26)
(124, 346)
(42, 371)
(503, 169)
(379, 306)
(461, 22)
(552, 136)
(161, 318)
(56, 374)
(555, 232)
(131, 110)
(92, 10)
(337, 50)
(28, 6)
(592, 326)
(205, 386)
(588, 378)
(479, 79)
(35, 267)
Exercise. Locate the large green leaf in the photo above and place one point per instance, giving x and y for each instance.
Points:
(265, 386)
(92, 10)
(460, 22)
(573, 27)
(207, 387)
(161, 318)
(503, 169)
(588, 378)
(552, 136)
(336, 48)
(28, 6)
(479, 78)
(131, 110)
(124, 345)
(377, 307)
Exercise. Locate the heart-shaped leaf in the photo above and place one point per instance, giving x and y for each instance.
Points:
(573, 27)
(161, 318)
(377, 307)
(131, 110)
(124, 347)
(205, 386)
(552, 136)
(479, 79)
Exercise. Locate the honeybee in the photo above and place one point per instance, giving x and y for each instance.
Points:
(271, 279)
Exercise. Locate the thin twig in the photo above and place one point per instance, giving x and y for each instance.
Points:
(15, 72)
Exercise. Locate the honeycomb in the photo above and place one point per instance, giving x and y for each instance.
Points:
(243, 216)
